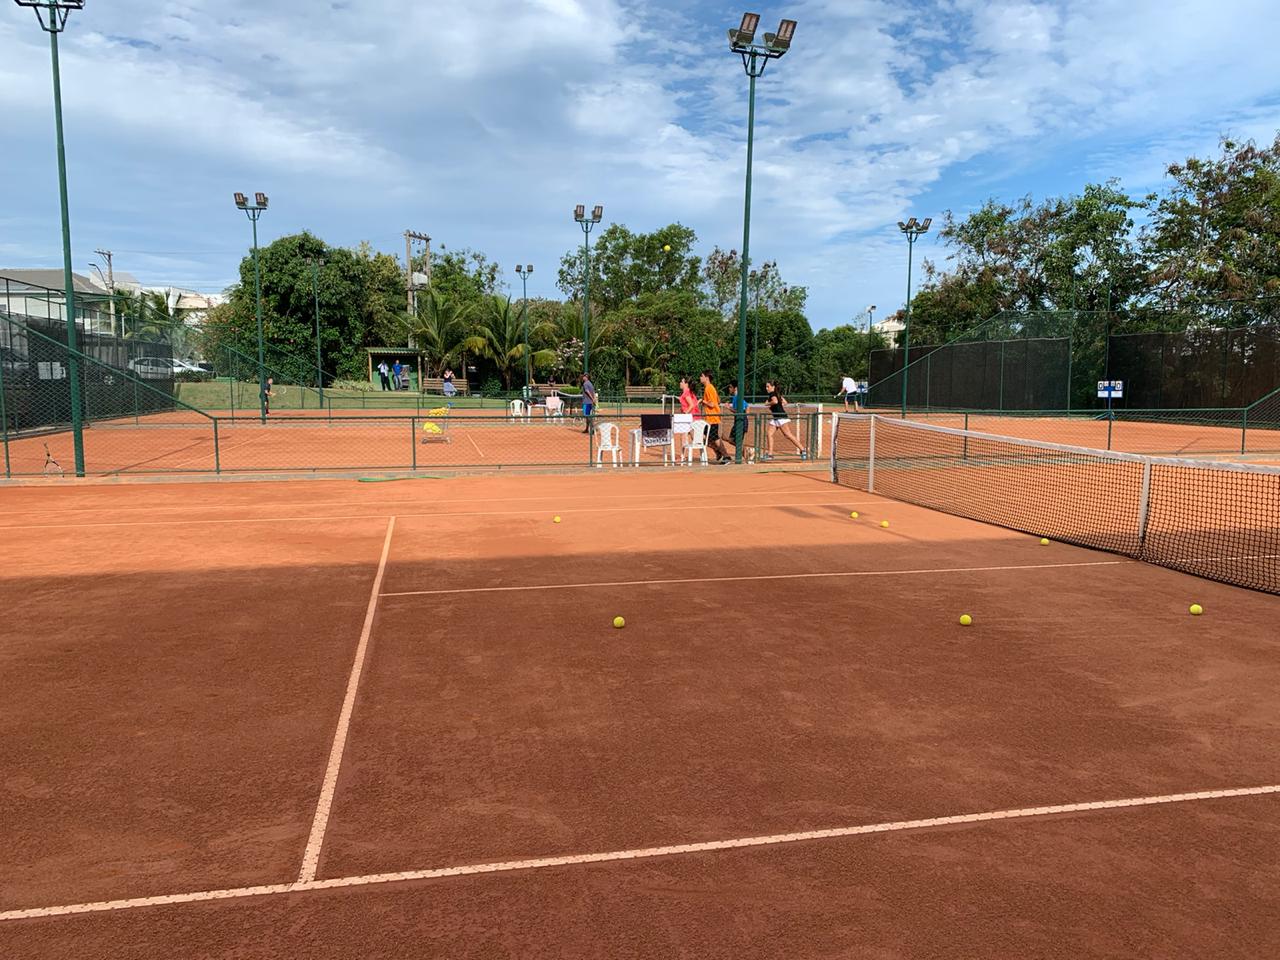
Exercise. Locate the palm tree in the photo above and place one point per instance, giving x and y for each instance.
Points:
(567, 332)
(439, 331)
(499, 337)
(645, 356)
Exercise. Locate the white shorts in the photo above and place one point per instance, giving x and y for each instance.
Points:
(682, 423)
(779, 422)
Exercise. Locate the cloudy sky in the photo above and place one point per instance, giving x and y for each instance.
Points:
(483, 122)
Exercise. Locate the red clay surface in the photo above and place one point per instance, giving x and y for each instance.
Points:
(173, 660)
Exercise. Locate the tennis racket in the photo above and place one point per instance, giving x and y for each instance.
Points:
(279, 391)
(51, 466)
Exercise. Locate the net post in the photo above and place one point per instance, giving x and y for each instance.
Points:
(217, 454)
(871, 458)
(413, 440)
(835, 429)
(1144, 505)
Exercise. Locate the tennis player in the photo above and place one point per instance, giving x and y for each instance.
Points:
(711, 413)
(779, 422)
(267, 395)
(849, 388)
(682, 422)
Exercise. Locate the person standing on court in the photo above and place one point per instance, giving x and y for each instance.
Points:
(588, 400)
(849, 388)
(384, 374)
(395, 381)
(738, 404)
(267, 394)
(711, 413)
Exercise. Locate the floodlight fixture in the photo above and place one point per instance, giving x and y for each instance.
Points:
(260, 199)
(529, 268)
(597, 213)
(241, 200)
(742, 37)
(580, 212)
(780, 42)
(924, 227)
(59, 11)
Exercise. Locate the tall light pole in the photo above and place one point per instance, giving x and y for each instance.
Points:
(755, 58)
(524, 272)
(316, 263)
(52, 15)
(871, 321)
(580, 215)
(913, 230)
(254, 211)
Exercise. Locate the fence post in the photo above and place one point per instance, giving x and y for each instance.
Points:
(4, 423)
(413, 440)
(1000, 403)
(1244, 430)
(871, 459)
(217, 455)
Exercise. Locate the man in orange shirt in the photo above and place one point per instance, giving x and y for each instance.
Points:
(711, 413)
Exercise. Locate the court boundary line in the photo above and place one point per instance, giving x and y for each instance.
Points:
(315, 840)
(820, 574)
(642, 853)
(665, 508)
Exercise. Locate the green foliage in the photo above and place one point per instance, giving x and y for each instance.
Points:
(626, 265)
(440, 330)
(499, 338)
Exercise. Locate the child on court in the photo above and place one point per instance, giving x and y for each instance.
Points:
(779, 422)
(737, 437)
(682, 422)
(711, 413)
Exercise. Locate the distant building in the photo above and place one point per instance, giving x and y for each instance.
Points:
(39, 293)
(889, 327)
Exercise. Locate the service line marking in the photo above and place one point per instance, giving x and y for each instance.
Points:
(644, 853)
(445, 515)
(764, 576)
(311, 857)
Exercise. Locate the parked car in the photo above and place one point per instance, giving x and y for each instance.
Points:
(155, 368)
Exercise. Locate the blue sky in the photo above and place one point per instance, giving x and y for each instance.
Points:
(483, 122)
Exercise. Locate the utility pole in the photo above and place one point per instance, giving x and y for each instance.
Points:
(111, 286)
(409, 237)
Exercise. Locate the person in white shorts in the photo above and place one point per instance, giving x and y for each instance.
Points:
(849, 388)
(779, 422)
(682, 422)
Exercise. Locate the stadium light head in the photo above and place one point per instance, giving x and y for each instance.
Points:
(741, 37)
(529, 268)
(60, 4)
(912, 223)
(901, 225)
(780, 42)
(597, 213)
(924, 227)
(580, 212)
(870, 307)
(260, 199)
(241, 200)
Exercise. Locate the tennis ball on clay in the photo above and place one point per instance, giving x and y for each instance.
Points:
(619, 622)
(1044, 541)
(965, 620)
(555, 519)
(854, 515)
(884, 523)
(1196, 609)
(666, 248)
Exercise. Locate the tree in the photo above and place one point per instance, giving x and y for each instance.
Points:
(440, 330)
(844, 351)
(626, 265)
(722, 285)
(499, 338)
(645, 358)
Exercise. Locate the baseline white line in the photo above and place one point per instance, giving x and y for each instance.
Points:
(765, 576)
(311, 857)
(644, 853)
(436, 515)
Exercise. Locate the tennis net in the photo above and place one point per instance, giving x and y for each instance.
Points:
(1215, 520)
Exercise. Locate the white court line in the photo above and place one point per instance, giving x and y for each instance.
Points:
(643, 853)
(311, 857)
(444, 515)
(765, 576)
(594, 497)
(476, 445)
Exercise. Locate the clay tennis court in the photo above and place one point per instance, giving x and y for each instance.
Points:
(385, 720)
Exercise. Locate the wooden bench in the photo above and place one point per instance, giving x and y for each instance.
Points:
(643, 393)
(436, 385)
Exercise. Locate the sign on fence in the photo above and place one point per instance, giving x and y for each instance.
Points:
(1110, 389)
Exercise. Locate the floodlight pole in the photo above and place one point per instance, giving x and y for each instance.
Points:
(755, 58)
(524, 272)
(316, 263)
(586, 223)
(253, 211)
(913, 230)
(57, 13)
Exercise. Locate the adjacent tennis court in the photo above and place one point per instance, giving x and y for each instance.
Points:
(385, 720)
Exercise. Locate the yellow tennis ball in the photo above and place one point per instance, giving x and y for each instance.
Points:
(884, 523)
(965, 620)
(1044, 541)
(854, 515)
(666, 248)
(555, 519)
(619, 622)
(1196, 609)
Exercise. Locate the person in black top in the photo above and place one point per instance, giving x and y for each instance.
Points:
(779, 422)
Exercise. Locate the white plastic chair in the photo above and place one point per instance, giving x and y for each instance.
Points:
(607, 442)
(517, 410)
(697, 440)
(553, 409)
